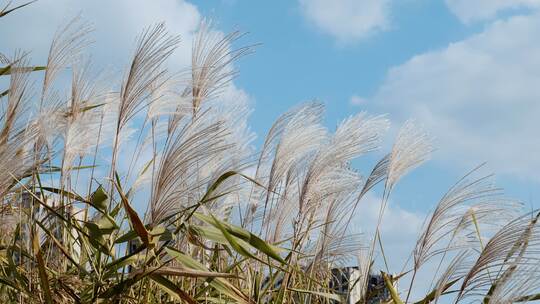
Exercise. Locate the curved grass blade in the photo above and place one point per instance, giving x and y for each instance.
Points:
(133, 217)
(327, 295)
(44, 279)
(220, 284)
(6, 11)
(7, 70)
(169, 287)
(390, 286)
(250, 238)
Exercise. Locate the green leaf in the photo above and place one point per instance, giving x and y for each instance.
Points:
(91, 107)
(184, 272)
(209, 233)
(159, 232)
(220, 284)
(331, 296)
(152, 272)
(99, 199)
(208, 195)
(256, 286)
(65, 193)
(44, 279)
(250, 238)
(105, 224)
(232, 240)
(390, 286)
(129, 259)
(528, 298)
(6, 11)
(98, 229)
(431, 296)
(119, 288)
(172, 289)
(128, 236)
(133, 217)
(8, 69)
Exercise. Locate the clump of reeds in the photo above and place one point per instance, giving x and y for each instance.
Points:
(223, 223)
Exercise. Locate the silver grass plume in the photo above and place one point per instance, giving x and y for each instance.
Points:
(355, 136)
(411, 148)
(146, 72)
(466, 206)
(360, 283)
(17, 99)
(163, 101)
(211, 63)
(238, 157)
(15, 135)
(234, 115)
(335, 248)
(177, 183)
(336, 242)
(68, 43)
(50, 123)
(283, 214)
(300, 139)
(377, 175)
(302, 135)
(167, 101)
(266, 159)
(328, 184)
(508, 256)
(522, 285)
(455, 270)
(470, 202)
(328, 176)
(83, 117)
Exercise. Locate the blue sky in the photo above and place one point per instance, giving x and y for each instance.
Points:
(298, 60)
(468, 70)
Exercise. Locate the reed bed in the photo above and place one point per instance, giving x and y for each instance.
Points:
(149, 190)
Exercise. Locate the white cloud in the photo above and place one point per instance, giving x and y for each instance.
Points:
(395, 234)
(347, 20)
(356, 100)
(476, 10)
(479, 97)
(116, 24)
